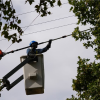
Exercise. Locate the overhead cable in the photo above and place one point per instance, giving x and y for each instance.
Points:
(48, 29)
(41, 43)
(46, 21)
(44, 30)
(34, 10)
(31, 23)
(24, 30)
(49, 21)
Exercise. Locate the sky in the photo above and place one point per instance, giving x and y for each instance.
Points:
(60, 61)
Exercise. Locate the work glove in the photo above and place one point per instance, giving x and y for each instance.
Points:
(50, 41)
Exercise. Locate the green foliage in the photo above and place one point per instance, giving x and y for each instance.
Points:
(59, 2)
(42, 8)
(11, 22)
(0, 83)
(8, 14)
(87, 82)
(73, 98)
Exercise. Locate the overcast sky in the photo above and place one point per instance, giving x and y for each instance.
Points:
(60, 62)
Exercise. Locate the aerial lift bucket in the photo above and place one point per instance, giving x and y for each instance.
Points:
(34, 75)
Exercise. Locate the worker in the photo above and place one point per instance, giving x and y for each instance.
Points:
(31, 52)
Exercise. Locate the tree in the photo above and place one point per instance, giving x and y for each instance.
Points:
(7, 13)
(12, 21)
(87, 82)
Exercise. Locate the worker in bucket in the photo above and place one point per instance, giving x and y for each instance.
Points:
(33, 50)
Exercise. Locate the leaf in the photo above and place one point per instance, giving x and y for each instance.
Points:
(19, 40)
(14, 34)
(45, 8)
(71, 8)
(51, 4)
(30, 1)
(15, 26)
(53, 1)
(9, 37)
(0, 23)
(19, 21)
(49, 12)
(59, 3)
(13, 41)
(36, 6)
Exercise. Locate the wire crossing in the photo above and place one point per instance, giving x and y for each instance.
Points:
(24, 30)
(49, 29)
(49, 21)
(31, 23)
(35, 11)
(44, 30)
(46, 21)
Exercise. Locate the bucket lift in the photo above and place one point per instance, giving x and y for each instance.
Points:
(33, 75)
(33, 72)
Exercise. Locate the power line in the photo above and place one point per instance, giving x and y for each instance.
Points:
(31, 22)
(48, 29)
(45, 42)
(25, 29)
(8, 47)
(34, 10)
(49, 21)
(44, 30)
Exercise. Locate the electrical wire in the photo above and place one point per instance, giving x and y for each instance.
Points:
(46, 21)
(49, 21)
(31, 23)
(8, 47)
(44, 30)
(49, 29)
(25, 28)
(35, 11)
(44, 42)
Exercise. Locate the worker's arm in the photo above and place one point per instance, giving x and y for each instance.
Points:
(38, 51)
(46, 48)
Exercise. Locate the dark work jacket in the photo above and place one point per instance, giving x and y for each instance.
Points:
(31, 52)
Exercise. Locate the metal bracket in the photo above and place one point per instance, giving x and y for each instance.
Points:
(5, 80)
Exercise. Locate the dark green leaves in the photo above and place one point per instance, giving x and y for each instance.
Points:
(0, 23)
(42, 8)
(59, 3)
(30, 1)
(71, 8)
(87, 82)
(11, 22)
